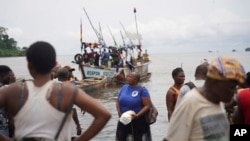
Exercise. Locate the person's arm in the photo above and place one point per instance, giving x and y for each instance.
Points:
(147, 103)
(75, 118)
(229, 107)
(99, 112)
(170, 98)
(118, 108)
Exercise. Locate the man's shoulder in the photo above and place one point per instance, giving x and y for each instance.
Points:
(195, 96)
(190, 84)
(191, 99)
(172, 91)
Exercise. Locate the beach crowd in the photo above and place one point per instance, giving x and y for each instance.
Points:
(44, 108)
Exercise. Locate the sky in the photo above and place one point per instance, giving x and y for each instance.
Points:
(165, 25)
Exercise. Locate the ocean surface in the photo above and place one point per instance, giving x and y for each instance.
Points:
(161, 68)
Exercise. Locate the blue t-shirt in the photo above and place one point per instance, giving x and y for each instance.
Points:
(105, 56)
(130, 98)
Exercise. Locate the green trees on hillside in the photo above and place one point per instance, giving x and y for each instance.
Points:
(8, 45)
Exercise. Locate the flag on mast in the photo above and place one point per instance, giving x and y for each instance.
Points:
(134, 10)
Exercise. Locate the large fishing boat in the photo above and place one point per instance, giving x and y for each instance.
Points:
(116, 74)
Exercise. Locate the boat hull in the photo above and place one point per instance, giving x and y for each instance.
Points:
(119, 76)
(91, 85)
(91, 72)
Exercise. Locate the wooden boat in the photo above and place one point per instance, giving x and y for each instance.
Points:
(92, 72)
(140, 63)
(90, 85)
(140, 66)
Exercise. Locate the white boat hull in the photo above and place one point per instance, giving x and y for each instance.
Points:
(97, 72)
(90, 72)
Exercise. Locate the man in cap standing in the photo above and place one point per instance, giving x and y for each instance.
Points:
(201, 115)
(71, 78)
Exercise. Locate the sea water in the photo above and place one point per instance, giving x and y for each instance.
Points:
(161, 67)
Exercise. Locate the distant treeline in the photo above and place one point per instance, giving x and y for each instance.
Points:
(8, 45)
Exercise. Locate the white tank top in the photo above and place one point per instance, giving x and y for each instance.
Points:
(38, 118)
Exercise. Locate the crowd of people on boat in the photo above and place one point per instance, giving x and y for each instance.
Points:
(102, 58)
(40, 109)
(110, 57)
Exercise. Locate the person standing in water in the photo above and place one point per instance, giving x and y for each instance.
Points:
(172, 93)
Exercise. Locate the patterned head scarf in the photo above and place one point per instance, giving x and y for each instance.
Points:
(226, 68)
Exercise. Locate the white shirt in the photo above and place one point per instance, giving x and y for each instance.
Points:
(38, 118)
(197, 119)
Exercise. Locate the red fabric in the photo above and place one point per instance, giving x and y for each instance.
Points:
(244, 99)
(120, 76)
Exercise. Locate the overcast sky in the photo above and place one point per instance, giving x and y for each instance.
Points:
(165, 25)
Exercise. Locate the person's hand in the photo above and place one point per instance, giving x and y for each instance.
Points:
(134, 115)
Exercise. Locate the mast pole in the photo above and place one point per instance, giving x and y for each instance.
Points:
(137, 26)
(122, 39)
(97, 34)
(112, 36)
(101, 35)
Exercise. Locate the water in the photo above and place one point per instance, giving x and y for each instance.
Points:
(161, 67)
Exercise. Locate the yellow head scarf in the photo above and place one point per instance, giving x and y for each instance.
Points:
(226, 68)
